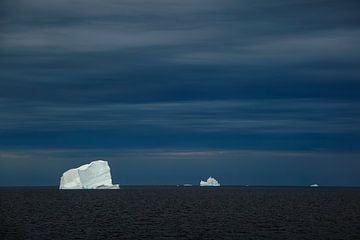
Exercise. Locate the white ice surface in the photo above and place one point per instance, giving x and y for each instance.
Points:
(95, 175)
(314, 185)
(210, 182)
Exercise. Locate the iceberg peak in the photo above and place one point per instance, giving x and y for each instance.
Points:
(95, 175)
(210, 182)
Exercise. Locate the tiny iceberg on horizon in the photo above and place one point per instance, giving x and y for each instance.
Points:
(95, 175)
(187, 185)
(210, 182)
(314, 185)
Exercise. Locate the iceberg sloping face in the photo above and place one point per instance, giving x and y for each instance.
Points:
(95, 175)
(210, 182)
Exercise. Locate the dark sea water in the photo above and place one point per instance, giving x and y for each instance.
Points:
(180, 213)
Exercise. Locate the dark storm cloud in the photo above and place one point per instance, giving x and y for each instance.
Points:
(261, 75)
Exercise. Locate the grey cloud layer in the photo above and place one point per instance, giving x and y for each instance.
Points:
(301, 115)
(52, 26)
(109, 47)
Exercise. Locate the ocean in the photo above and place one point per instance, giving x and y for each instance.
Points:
(180, 213)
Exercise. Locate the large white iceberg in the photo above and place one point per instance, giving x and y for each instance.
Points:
(210, 182)
(95, 175)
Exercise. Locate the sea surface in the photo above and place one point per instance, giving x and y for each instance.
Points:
(180, 213)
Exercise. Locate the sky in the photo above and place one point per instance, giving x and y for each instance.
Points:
(170, 92)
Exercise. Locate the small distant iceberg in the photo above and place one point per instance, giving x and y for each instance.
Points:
(314, 185)
(187, 185)
(95, 175)
(210, 182)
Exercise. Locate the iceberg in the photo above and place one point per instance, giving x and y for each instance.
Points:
(210, 182)
(314, 185)
(95, 175)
